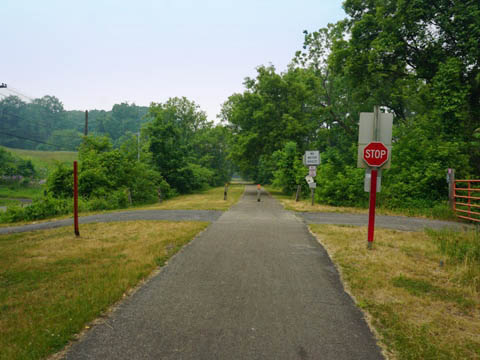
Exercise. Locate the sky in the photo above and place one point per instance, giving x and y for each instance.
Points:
(92, 54)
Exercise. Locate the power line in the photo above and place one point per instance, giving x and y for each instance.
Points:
(33, 140)
(36, 122)
(19, 93)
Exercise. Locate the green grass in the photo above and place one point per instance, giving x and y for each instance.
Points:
(458, 246)
(421, 306)
(21, 191)
(211, 199)
(52, 284)
(461, 249)
(423, 288)
(45, 161)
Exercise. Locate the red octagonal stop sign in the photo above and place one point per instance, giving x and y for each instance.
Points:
(375, 154)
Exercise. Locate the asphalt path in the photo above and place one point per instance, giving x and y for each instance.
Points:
(173, 215)
(255, 285)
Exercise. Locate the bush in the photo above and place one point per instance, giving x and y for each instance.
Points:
(339, 182)
(419, 166)
(39, 209)
(60, 182)
(289, 169)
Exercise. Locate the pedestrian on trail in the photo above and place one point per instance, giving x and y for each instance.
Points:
(258, 191)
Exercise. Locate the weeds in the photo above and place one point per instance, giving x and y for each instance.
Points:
(462, 250)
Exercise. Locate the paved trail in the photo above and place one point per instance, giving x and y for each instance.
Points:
(254, 285)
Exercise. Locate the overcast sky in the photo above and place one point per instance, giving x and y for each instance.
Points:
(92, 54)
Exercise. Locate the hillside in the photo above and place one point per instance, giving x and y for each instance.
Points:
(44, 161)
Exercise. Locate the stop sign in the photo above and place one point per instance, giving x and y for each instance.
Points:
(375, 154)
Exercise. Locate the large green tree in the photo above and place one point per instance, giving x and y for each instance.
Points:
(185, 147)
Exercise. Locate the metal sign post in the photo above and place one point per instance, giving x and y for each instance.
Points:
(312, 160)
(374, 153)
(371, 210)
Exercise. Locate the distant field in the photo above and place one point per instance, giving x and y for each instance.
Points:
(44, 161)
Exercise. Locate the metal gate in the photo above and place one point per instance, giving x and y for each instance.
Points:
(466, 203)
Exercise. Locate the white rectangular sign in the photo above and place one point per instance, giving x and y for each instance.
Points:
(368, 179)
(367, 133)
(312, 185)
(312, 157)
(309, 179)
(312, 171)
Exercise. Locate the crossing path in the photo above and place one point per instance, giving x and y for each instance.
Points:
(254, 285)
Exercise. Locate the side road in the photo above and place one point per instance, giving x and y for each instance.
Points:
(255, 285)
(390, 222)
(172, 215)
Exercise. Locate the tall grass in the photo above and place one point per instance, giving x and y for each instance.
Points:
(461, 249)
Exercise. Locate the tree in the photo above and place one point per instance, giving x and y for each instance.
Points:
(174, 140)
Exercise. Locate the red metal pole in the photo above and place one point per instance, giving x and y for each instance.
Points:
(75, 198)
(371, 212)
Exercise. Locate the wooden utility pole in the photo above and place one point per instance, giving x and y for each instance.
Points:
(86, 123)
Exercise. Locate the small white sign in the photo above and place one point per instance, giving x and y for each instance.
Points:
(309, 179)
(312, 185)
(312, 157)
(368, 179)
(312, 172)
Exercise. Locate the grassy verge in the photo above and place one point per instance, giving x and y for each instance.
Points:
(441, 212)
(211, 199)
(422, 301)
(19, 191)
(208, 200)
(53, 283)
(45, 161)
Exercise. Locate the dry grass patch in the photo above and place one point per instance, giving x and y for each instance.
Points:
(52, 283)
(208, 200)
(306, 206)
(413, 294)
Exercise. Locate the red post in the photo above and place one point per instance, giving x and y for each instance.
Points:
(75, 198)
(371, 211)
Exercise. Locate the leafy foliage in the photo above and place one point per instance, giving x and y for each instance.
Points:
(185, 148)
(417, 60)
(11, 165)
(44, 124)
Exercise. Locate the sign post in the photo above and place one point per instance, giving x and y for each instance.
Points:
(312, 160)
(371, 209)
(75, 198)
(374, 149)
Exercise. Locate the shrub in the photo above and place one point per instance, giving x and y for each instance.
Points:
(60, 182)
